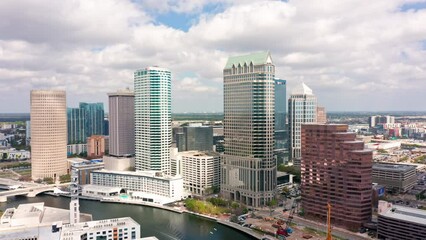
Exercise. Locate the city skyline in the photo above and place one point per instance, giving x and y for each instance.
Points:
(379, 59)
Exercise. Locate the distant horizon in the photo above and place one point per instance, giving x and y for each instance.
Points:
(355, 111)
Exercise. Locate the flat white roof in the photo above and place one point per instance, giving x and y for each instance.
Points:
(413, 215)
(28, 210)
(199, 154)
(108, 223)
(151, 174)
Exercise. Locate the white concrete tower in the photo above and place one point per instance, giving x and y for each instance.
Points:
(302, 108)
(74, 203)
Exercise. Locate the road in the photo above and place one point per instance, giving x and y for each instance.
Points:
(339, 232)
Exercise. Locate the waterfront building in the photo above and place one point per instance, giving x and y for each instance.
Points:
(400, 223)
(27, 133)
(36, 221)
(153, 185)
(96, 146)
(76, 126)
(395, 177)
(195, 137)
(153, 119)
(321, 115)
(84, 168)
(116, 228)
(302, 108)
(121, 117)
(48, 134)
(281, 130)
(335, 169)
(200, 171)
(248, 167)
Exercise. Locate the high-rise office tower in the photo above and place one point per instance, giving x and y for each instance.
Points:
(48, 134)
(94, 118)
(248, 165)
(195, 137)
(302, 108)
(121, 123)
(380, 120)
(85, 121)
(76, 125)
(281, 130)
(153, 122)
(321, 115)
(335, 169)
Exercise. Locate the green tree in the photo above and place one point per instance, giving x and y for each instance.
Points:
(272, 204)
(285, 191)
(65, 178)
(48, 180)
(382, 151)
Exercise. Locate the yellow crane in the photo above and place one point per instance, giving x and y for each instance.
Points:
(329, 222)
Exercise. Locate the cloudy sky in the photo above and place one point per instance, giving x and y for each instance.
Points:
(355, 55)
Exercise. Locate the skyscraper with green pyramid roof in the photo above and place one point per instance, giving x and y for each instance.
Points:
(248, 165)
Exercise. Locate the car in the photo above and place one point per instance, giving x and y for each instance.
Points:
(246, 225)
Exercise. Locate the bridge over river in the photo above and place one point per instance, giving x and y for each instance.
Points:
(26, 189)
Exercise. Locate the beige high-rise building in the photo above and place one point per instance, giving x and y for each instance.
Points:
(248, 165)
(48, 133)
(321, 115)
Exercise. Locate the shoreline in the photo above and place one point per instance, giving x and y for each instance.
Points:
(232, 225)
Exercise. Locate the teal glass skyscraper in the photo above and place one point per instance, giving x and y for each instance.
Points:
(281, 130)
(85, 121)
(94, 118)
(76, 126)
(153, 123)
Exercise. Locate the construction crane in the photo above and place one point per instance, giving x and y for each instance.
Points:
(292, 211)
(329, 222)
(284, 232)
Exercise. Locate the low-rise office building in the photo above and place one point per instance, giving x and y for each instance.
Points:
(200, 171)
(97, 146)
(395, 177)
(84, 167)
(400, 223)
(13, 154)
(165, 189)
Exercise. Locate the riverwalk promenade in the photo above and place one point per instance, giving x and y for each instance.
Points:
(250, 232)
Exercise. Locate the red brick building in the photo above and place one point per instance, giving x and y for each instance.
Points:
(335, 169)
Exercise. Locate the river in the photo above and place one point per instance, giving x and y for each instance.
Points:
(164, 225)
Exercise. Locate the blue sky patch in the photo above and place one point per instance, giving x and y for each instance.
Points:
(184, 21)
(413, 6)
